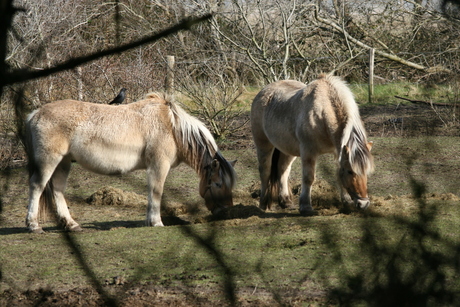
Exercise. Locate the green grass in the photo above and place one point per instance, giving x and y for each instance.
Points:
(402, 243)
(385, 93)
(291, 254)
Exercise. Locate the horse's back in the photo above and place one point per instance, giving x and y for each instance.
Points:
(103, 138)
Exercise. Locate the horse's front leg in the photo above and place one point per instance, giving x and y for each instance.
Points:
(59, 179)
(155, 178)
(308, 176)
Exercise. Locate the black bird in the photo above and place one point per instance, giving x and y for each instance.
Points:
(120, 97)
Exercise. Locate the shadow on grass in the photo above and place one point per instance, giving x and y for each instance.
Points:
(248, 212)
(12, 230)
(167, 221)
(413, 267)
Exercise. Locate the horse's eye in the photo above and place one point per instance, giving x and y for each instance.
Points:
(219, 185)
(350, 172)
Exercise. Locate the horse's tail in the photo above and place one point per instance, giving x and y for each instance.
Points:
(47, 202)
(273, 187)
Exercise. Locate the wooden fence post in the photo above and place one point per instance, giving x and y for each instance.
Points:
(79, 83)
(169, 82)
(371, 74)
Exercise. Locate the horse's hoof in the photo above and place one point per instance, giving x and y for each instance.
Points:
(218, 211)
(287, 205)
(37, 230)
(76, 228)
(157, 224)
(308, 212)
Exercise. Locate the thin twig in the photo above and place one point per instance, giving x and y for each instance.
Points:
(441, 104)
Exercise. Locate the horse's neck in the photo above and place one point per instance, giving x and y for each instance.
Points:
(199, 159)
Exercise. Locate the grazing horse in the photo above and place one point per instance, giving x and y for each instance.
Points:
(290, 119)
(153, 134)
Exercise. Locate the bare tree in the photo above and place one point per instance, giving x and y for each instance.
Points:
(266, 34)
(393, 29)
(211, 92)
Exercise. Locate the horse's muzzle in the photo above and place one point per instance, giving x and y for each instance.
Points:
(362, 202)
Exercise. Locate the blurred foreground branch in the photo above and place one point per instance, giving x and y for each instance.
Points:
(21, 75)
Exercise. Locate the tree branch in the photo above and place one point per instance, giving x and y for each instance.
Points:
(435, 69)
(22, 75)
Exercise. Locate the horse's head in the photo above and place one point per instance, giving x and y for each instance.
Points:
(217, 183)
(354, 181)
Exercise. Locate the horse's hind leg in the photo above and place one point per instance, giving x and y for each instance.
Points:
(59, 180)
(264, 156)
(37, 185)
(43, 170)
(284, 169)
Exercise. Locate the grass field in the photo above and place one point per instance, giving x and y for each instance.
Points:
(403, 251)
(407, 241)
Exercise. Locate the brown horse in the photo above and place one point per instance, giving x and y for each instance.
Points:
(153, 134)
(291, 119)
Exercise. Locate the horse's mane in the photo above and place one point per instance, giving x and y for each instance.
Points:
(354, 135)
(194, 141)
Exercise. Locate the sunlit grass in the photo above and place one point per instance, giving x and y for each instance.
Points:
(385, 93)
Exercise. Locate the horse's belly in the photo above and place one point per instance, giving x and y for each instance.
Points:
(290, 148)
(285, 142)
(109, 162)
(295, 143)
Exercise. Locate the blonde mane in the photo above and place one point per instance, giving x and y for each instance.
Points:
(194, 141)
(354, 135)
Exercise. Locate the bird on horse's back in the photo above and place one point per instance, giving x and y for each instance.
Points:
(120, 97)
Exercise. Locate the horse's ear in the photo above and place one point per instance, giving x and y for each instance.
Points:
(369, 145)
(232, 163)
(215, 165)
(345, 153)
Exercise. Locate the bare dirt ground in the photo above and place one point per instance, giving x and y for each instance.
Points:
(401, 121)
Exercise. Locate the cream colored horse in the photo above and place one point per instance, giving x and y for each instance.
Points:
(153, 134)
(291, 119)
